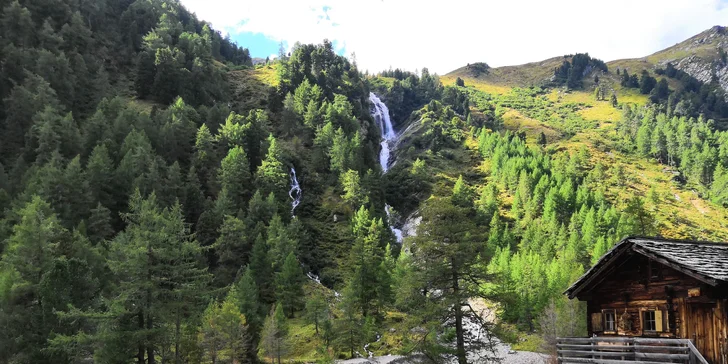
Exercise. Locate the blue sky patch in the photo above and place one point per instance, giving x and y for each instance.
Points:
(259, 44)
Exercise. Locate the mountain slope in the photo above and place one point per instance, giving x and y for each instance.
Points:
(699, 56)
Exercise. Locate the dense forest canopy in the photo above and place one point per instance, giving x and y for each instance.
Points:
(146, 186)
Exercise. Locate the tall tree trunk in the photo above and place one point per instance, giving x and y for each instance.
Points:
(150, 324)
(351, 340)
(140, 353)
(278, 350)
(177, 331)
(460, 351)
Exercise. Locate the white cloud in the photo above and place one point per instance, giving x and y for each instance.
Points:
(444, 35)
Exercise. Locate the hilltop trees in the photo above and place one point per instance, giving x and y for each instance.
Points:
(571, 72)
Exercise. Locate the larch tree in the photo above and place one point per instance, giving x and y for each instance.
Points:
(289, 285)
(156, 262)
(272, 175)
(274, 337)
(234, 176)
(451, 270)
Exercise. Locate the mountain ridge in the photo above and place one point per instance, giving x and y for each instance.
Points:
(698, 56)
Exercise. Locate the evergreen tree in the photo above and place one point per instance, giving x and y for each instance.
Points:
(289, 285)
(224, 332)
(234, 176)
(232, 249)
(448, 256)
(261, 269)
(248, 300)
(354, 195)
(317, 310)
(274, 337)
(155, 247)
(349, 325)
(272, 176)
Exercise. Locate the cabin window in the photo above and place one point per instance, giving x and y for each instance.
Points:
(655, 271)
(648, 321)
(610, 321)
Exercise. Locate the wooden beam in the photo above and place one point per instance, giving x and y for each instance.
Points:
(592, 275)
(675, 266)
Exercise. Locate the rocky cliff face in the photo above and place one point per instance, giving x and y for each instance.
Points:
(705, 61)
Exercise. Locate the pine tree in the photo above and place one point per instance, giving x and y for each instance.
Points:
(274, 337)
(232, 249)
(317, 310)
(224, 331)
(354, 195)
(234, 176)
(247, 297)
(364, 279)
(155, 247)
(99, 174)
(644, 140)
(348, 326)
(461, 194)
(289, 285)
(448, 257)
(99, 226)
(261, 269)
(272, 176)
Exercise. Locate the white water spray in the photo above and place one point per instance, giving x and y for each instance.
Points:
(380, 113)
(294, 192)
(381, 116)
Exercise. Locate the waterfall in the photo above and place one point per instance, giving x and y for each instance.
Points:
(294, 192)
(380, 113)
(381, 116)
(397, 232)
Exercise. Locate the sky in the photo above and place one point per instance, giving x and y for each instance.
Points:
(446, 35)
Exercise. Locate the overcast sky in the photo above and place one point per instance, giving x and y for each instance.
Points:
(445, 35)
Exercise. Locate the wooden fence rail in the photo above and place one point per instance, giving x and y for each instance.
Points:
(622, 350)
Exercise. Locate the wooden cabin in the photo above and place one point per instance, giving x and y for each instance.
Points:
(660, 288)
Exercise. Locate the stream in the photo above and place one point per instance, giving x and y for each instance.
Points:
(380, 112)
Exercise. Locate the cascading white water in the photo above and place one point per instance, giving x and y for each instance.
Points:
(381, 116)
(389, 138)
(294, 192)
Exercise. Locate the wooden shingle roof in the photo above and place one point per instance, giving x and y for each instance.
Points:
(705, 261)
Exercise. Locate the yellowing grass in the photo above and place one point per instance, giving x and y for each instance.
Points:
(490, 88)
(267, 74)
(515, 121)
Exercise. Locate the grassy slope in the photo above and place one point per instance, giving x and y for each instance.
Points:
(681, 213)
(250, 86)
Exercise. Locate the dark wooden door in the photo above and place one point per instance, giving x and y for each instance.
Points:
(702, 330)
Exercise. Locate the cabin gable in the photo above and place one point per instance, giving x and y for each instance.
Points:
(657, 288)
(639, 298)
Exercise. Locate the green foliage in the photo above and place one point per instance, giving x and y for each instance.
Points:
(317, 312)
(234, 176)
(274, 340)
(223, 333)
(572, 73)
(232, 249)
(289, 285)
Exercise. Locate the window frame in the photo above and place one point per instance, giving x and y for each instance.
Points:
(643, 316)
(605, 321)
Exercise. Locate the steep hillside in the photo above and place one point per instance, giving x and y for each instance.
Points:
(699, 56)
(529, 74)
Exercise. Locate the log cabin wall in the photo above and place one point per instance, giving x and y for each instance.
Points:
(642, 297)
